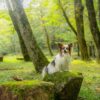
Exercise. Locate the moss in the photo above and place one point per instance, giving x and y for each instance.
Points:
(26, 84)
(59, 77)
(23, 88)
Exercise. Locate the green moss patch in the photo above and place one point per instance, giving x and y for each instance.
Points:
(59, 77)
(25, 83)
(67, 84)
(27, 89)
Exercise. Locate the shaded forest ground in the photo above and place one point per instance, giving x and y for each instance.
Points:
(91, 70)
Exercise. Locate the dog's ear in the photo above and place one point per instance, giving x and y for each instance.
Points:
(60, 45)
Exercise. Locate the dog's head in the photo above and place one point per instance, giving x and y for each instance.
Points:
(65, 49)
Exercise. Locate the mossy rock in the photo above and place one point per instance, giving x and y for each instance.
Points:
(27, 90)
(67, 84)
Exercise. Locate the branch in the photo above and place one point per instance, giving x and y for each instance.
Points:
(66, 18)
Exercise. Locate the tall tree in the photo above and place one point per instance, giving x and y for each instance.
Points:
(99, 9)
(46, 33)
(80, 28)
(66, 17)
(22, 44)
(93, 26)
(34, 51)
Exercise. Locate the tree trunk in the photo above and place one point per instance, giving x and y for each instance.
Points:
(48, 40)
(53, 42)
(1, 58)
(22, 44)
(93, 26)
(78, 50)
(34, 51)
(99, 9)
(23, 48)
(46, 34)
(81, 39)
(80, 29)
(92, 49)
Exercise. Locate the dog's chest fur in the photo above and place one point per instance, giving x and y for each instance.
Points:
(60, 63)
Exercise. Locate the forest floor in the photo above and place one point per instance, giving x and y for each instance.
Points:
(90, 89)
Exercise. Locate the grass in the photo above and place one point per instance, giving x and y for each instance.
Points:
(12, 67)
(91, 85)
(90, 89)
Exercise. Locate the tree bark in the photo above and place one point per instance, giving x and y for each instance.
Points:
(48, 40)
(93, 26)
(99, 9)
(80, 29)
(46, 34)
(22, 44)
(35, 53)
(92, 49)
(78, 50)
(1, 58)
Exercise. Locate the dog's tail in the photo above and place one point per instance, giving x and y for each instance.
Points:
(44, 71)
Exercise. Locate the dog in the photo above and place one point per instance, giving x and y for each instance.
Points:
(60, 62)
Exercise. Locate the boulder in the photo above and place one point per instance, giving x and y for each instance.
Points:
(66, 84)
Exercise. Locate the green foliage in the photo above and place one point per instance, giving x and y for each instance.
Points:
(54, 22)
(9, 43)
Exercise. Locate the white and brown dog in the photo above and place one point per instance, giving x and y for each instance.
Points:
(61, 61)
